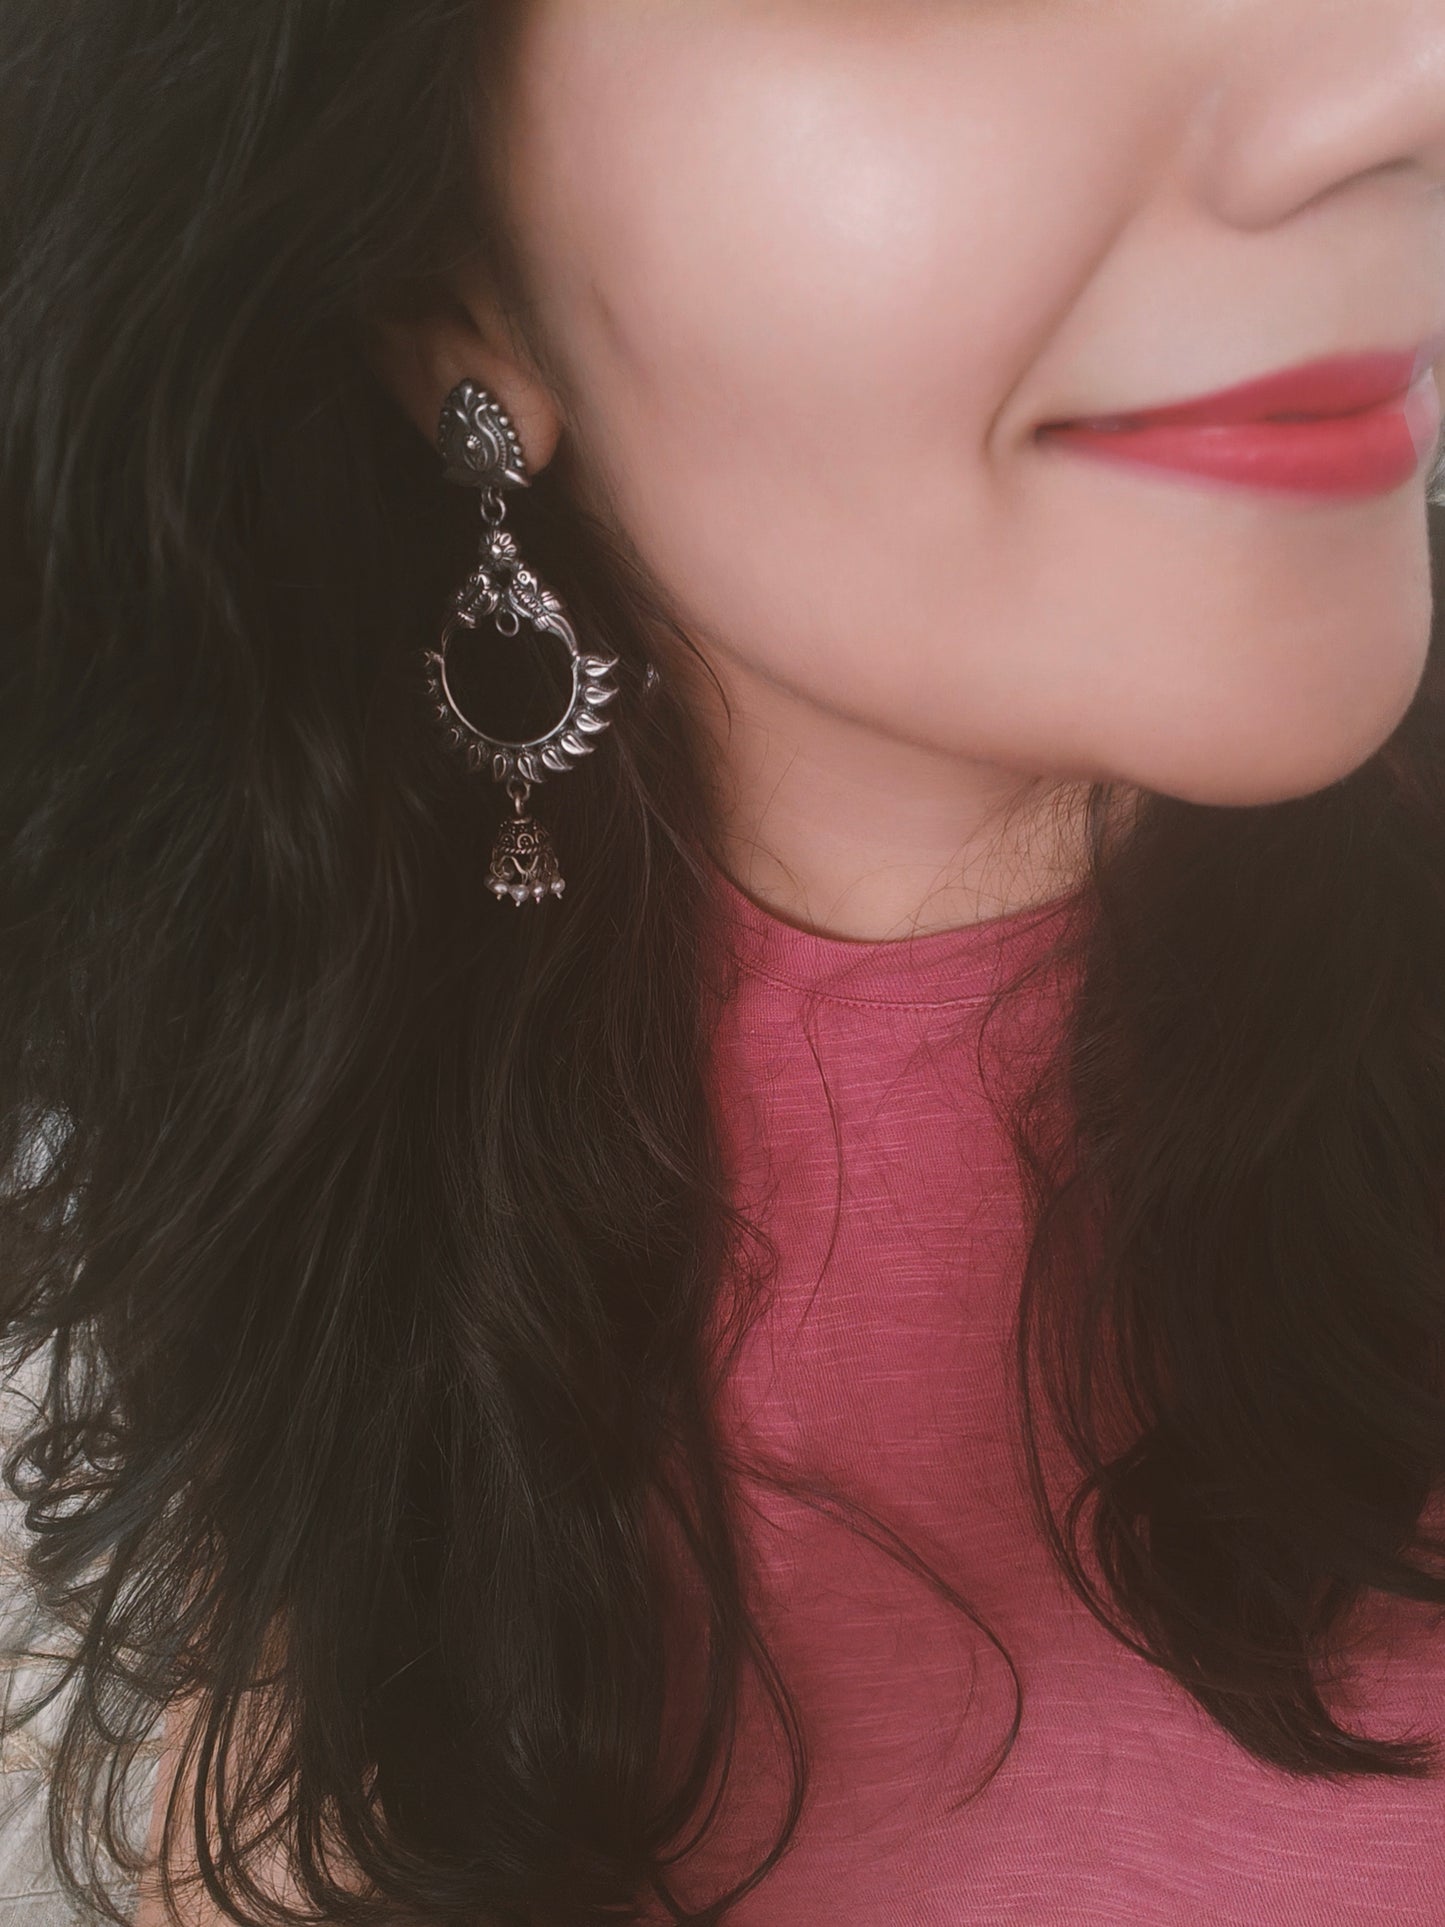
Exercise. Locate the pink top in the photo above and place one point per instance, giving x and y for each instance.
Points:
(881, 1363)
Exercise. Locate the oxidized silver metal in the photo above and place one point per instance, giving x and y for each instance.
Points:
(500, 587)
(480, 447)
(524, 864)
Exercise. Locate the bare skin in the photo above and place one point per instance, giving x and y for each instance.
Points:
(194, 1906)
(814, 271)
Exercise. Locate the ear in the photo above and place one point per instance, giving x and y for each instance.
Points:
(421, 347)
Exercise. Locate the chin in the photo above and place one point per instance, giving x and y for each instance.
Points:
(1251, 782)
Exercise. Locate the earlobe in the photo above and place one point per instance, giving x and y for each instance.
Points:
(421, 358)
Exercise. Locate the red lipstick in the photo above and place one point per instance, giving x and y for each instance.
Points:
(1348, 426)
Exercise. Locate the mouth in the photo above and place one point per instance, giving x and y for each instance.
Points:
(1321, 390)
(1166, 418)
(1350, 428)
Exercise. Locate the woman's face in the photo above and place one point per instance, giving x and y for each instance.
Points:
(816, 271)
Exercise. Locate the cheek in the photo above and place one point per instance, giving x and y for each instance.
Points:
(795, 273)
(796, 285)
(785, 221)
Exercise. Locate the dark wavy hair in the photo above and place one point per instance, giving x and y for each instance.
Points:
(374, 1239)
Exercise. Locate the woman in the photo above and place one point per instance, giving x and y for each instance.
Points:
(819, 1298)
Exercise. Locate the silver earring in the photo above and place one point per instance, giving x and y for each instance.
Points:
(480, 448)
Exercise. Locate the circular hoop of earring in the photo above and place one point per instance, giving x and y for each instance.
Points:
(480, 448)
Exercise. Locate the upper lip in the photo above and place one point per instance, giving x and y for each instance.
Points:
(1335, 385)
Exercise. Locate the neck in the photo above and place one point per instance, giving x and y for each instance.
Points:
(838, 828)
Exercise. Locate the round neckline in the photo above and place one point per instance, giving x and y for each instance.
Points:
(926, 969)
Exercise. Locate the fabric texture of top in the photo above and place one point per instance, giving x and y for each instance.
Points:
(860, 1138)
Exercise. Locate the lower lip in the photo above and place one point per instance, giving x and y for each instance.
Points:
(1339, 456)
